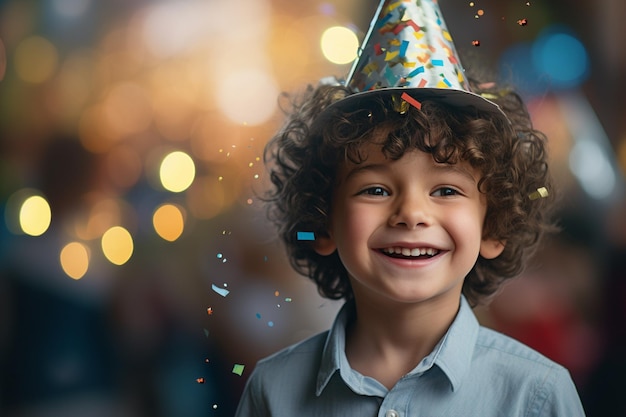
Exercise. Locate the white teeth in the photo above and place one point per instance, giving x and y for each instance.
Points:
(411, 252)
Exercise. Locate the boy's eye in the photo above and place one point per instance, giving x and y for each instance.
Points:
(445, 192)
(377, 191)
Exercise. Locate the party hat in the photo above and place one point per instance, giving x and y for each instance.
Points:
(408, 52)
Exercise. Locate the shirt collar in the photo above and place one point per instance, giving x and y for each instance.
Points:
(452, 354)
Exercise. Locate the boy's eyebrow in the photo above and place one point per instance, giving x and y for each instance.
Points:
(453, 168)
(365, 167)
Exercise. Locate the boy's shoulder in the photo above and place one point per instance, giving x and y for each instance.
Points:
(303, 353)
(501, 352)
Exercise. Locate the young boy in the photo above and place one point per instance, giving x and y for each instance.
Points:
(422, 199)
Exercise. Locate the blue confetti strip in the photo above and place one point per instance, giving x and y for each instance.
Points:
(306, 236)
(416, 71)
(403, 48)
(221, 291)
(437, 62)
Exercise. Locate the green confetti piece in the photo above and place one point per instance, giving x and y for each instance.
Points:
(238, 369)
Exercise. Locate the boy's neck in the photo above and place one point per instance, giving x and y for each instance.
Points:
(388, 341)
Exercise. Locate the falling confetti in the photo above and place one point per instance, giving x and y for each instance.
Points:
(541, 192)
(476, 42)
(258, 316)
(209, 311)
(288, 299)
(238, 369)
(206, 333)
(522, 22)
(306, 236)
(411, 101)
(200, 380)
(270, 323)
(215, 406)
(221, 291)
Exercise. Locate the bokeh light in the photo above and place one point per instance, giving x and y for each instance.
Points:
(74, 260)
(35, 216)
(35, 59)
(71, 8)
(339, 45)
(593, 169)
(247, 96)
(168, 221)
(117, 245)
(3, 60)
(177, 171)
(562, 57)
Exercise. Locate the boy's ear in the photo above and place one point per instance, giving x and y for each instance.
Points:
(491, 248)
(324, 245)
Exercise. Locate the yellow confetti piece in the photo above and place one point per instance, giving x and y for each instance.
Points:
(399, 105)
(541, 192)
(371, 67)
(391, 55)
(447, 36)
(418, 35)
(392, 6)
(489, 96)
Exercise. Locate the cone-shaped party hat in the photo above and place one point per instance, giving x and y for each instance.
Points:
(408, 49)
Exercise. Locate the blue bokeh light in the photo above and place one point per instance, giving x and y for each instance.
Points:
(561, 56)
(556, 60)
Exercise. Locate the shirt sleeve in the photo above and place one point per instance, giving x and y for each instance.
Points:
(251, 403)
(562, 399)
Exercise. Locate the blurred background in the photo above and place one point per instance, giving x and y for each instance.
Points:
(138, 275)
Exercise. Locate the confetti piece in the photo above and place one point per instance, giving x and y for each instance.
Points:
(206, 360)
(215, 406)
(522, 22)
(411, 101)
(200, 380)
(276, 293)
(209, 311)
(206, 333)
(258, 315)
(306, 236)
(541, 192)
(221, 291)
(270, 323)
(476, 42)
(238, 369)
(288, 299)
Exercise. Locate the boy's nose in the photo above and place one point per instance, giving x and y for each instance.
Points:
(411, 211)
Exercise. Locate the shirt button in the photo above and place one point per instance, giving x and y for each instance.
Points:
(392, 413)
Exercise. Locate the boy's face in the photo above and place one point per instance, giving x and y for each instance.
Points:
(407, 230)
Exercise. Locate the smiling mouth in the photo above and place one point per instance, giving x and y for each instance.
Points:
(407, 253)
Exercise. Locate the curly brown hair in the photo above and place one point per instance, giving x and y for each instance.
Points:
(304, 156)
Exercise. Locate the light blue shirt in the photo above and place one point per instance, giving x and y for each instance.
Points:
(472, 372)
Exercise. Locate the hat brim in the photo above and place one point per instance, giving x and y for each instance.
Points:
(456, 98)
